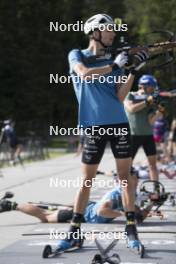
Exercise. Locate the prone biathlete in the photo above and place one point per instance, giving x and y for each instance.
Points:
(108, 208)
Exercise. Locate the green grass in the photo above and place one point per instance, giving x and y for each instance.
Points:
(61, 142)
(52, 155)
(58, 143)
(55, 154)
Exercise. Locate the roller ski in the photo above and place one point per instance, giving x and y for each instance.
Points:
(133, 243)
(104, 256)
(49, 205)
(63, 246)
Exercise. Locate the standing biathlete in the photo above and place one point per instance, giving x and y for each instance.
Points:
(142, 114)
(101, 104)
(9, 136)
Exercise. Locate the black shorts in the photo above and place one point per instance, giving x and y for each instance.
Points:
(64, 215)
(14, 144)
(147, 142)
(95, 143)
(81, 140)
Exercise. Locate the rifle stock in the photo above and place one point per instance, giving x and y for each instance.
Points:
(152, 48)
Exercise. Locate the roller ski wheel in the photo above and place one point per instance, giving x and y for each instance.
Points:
(105, 257)
(98, 259)
(62, 248)
(47, 251)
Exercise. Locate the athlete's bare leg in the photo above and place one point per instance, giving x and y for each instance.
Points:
(153, 168)
(18, 150)
(123, 168)
(82, 197)
(33, 210)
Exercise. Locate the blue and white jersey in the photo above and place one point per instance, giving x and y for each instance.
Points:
(114, 196)
(98, 102)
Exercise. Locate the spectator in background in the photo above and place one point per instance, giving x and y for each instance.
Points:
(8, 135)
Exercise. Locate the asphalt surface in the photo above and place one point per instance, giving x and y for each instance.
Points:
(23, 237)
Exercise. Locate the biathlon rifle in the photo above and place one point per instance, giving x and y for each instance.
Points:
(164, 49)
(158, 96)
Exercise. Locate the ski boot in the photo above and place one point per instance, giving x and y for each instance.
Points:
(6, 205)
(133, 242)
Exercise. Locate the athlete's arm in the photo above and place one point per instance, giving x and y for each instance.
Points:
(134, 107)
(105, 210)
(87, 73)
(123, 89)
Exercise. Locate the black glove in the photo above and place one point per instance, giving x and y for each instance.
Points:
(139, 61)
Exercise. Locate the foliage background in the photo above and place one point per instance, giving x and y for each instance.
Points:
(29, 52)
